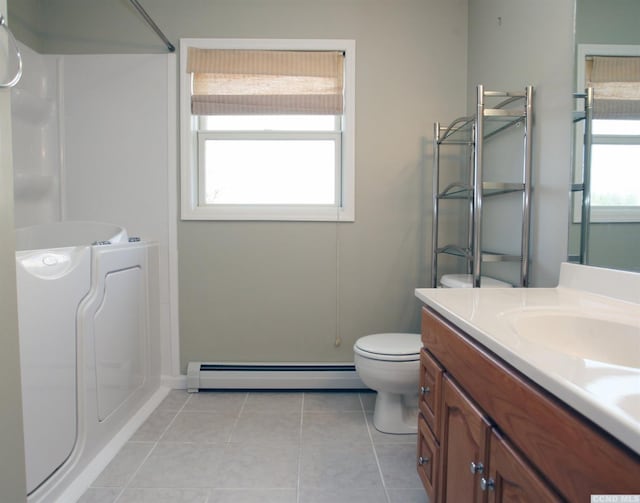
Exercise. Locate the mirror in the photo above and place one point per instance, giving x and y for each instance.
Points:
(613, 236)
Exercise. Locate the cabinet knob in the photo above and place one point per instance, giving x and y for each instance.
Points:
(487, 484)
(422, 461)
(425, 390)
(476, 467)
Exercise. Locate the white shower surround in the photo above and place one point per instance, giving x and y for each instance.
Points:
(111, 159)
(94, 138)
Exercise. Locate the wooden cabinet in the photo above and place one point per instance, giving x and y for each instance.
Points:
(492, 435)
(510, 478)
(430, 390)
(428, 459)
(465, 434)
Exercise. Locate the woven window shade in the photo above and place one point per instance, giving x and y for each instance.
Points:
(616, 86)
(263, 82)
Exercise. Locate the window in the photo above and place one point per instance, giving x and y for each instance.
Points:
(267, 129)
(615, 170)
(613, 72)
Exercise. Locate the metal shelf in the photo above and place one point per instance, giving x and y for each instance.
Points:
(463, 191)
(485, 256)
(491, 118)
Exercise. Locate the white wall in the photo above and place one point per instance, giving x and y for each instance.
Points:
(117, 144)
(36, 140)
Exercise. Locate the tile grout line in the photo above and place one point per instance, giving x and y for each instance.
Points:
(155, 444)
(375, 452)
(235, 423)
(300, 449)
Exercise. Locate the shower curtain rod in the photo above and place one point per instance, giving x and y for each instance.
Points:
(153, 25)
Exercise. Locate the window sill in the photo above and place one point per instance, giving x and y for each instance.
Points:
(269, 213)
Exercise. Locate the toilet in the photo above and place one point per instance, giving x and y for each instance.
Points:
(389, 363)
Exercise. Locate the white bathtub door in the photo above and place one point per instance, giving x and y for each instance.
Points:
(51, 284)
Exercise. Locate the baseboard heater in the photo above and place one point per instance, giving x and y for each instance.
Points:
(202, 375)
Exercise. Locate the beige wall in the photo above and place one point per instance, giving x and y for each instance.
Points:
(12, 474)
(284, 291)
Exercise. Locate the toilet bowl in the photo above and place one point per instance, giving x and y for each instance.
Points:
(390, 364)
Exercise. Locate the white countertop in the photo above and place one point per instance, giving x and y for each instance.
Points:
(607, 394)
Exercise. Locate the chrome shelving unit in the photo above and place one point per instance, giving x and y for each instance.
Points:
(515, 108)
(582, 171)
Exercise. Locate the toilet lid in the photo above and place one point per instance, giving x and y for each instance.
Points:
(390, 346)
(465, 280)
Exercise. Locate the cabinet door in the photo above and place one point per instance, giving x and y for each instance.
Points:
(465, 433)
(511, 479)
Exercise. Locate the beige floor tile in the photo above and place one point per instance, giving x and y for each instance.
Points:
(267, 426)
(398, 465)
(339, 466)
(335, 427)
(181, 465)
(228, 402)
(359, 495)
(274, 401)
(331, 401)
(259, 466)
(200, 427)
(154, 495)
(124, 464)
(253, 496)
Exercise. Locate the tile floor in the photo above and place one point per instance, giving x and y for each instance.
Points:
(267, 447)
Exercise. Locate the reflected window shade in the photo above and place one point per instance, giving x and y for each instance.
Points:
(616, 86)
(241, 82)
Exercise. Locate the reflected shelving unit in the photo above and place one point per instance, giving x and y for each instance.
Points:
(496, 112)
(581, 185)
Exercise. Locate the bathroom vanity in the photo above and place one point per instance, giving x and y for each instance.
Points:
(510, 415)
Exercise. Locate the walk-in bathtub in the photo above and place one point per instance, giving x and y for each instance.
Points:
(89, 350)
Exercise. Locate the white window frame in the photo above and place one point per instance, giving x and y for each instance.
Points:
(601, 214)
(190, 172)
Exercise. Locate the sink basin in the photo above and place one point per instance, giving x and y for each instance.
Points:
(582, 335)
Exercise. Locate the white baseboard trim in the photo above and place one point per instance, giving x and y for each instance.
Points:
(202, 375)
(174, 382)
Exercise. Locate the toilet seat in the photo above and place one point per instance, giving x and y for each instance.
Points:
(397, 347)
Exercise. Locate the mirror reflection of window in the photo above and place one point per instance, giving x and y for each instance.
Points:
(615, 164)
(615, 153)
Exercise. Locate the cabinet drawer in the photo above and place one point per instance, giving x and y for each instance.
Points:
(430, 391)
(427, 458)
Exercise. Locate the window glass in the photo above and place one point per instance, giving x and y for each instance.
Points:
(615, 163)
(269, 171)
(615, 175)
